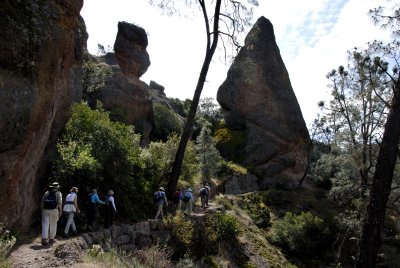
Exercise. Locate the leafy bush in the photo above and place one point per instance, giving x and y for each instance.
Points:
(256, 208)
(230, 143)
(7, 241)
(93, 151)
(166, 122)
(94, 77)
(225, 226)
(182, 233)
(158, 158)
(302, 234)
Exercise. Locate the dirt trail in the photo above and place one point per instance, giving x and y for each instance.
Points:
(35, 255)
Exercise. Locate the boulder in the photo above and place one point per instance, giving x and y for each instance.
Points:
(130, 49)
(257, 99)
(41, 48)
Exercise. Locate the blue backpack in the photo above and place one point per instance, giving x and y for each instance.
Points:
(158, 196)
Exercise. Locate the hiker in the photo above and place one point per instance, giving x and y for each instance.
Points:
(188, 201)
(110, 209)
(208, 194)
(160, 199)
(177, 199)
(70, 208)
(203, 194)
(51, 206)
(92, 209)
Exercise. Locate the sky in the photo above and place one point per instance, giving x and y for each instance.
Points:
(312, 35)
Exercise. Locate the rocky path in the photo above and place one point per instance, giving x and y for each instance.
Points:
(35, 255)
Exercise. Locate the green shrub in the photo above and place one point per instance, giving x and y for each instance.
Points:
(97, 152)
(7, 241)
(256, 208)
(182, 230)
(302, 235)
(230, 143)
(225, 226)
(166, 122)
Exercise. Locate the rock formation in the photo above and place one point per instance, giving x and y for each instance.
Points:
(41, 45)
(257, 99)
(124, 93)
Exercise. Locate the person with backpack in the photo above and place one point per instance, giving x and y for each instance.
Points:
(188, 201)
(160, 198)
(51, 205)
(203, 194)
(110, 209)
(70, 208)
(92, 209)
(207, 186)
(177, 199)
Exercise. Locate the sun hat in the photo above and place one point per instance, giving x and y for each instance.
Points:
(110, 192)
(54, 185)
(189, 189)
(161, 189)
(74, 189)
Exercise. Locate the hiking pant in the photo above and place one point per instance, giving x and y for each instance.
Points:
(203, 201)
(91, 215)
(70, 222)
(207, 198)
(159, 211)
(108, 216)
(188, 207)
(49, 223)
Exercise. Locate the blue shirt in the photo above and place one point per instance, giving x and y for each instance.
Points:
(94, 198)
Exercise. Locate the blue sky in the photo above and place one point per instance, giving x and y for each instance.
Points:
(312, 35)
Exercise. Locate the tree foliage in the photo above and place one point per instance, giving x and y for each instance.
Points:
(227, 20)
(207, 154)
(166, 122)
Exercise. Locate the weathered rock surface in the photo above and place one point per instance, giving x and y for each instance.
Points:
(124, 93)
(130, 49)
(41, 45)
(257, 98)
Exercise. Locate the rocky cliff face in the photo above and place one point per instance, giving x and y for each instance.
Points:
(257, 99)
(124, 93)
(41, 45)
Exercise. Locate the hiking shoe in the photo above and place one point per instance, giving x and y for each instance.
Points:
(51, 241)
(44, 241)
(65, 235)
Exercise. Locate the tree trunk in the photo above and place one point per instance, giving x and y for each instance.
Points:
(186, 133)
(373, 224)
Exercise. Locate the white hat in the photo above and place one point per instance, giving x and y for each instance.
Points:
(189, 189)
(161, 189)
(54, 185)
(110, 192)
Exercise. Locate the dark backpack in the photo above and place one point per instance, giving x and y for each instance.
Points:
(50, 201)
(158, 196)
(203, 191)
(175, 197)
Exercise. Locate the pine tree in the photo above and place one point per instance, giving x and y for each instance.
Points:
(207, 155)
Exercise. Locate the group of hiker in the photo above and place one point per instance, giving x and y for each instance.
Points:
(181, 200)
(53, 209)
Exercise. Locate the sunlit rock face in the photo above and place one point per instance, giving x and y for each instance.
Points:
(41, 47)
(258, 100)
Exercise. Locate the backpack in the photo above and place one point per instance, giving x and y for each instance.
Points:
(187, 197)
(107, 200)
(158, 196)
(203, 191)
(175, 197)
(50, 201)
